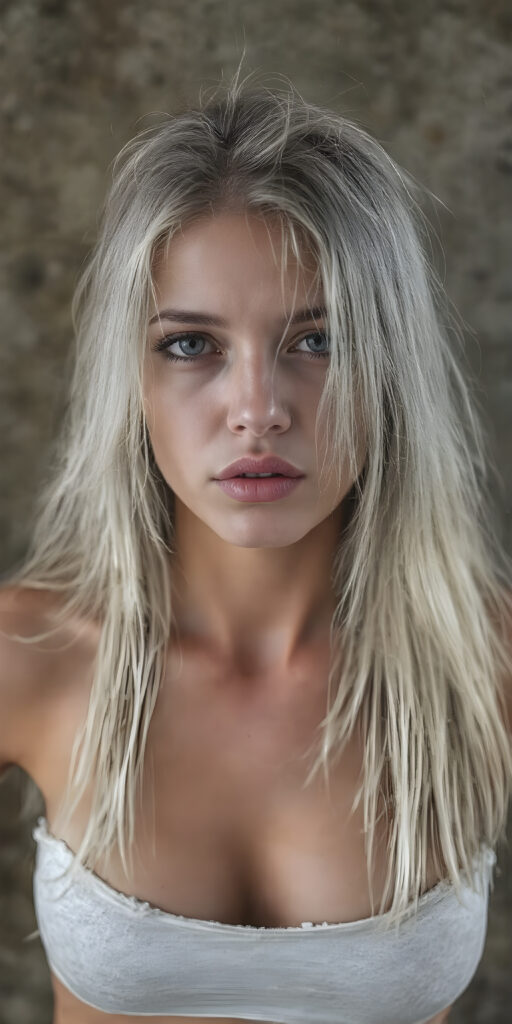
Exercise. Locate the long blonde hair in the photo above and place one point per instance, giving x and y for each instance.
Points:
(421, 580)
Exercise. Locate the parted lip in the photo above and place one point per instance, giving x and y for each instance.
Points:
(263, 464)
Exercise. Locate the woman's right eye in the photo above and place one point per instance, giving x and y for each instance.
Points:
(165, 343)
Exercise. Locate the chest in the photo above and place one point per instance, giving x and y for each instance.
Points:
(226, 830)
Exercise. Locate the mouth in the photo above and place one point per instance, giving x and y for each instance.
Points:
(263, 468)
(272, 487)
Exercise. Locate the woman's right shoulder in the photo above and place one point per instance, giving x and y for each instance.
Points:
(34, 676)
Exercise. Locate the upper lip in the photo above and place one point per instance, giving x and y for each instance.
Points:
(264, 464)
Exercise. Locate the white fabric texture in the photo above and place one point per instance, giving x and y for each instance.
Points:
(121, 955)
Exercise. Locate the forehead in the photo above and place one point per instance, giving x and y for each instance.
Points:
(235, 251)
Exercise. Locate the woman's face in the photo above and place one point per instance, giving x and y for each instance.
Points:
(225, 402)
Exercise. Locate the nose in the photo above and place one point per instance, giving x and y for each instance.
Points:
(256, 400)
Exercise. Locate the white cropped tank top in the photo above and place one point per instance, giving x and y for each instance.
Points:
(120, 954)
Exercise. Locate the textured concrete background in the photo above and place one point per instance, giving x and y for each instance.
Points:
(431, 80)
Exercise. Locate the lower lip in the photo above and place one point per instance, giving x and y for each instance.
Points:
(265, 489)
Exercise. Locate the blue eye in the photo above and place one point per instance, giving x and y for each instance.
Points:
(164, 346)
(316, 334)
(173, 339)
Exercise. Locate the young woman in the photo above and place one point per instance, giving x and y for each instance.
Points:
(187, 644)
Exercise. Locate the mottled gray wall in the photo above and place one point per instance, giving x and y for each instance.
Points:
(431, 80)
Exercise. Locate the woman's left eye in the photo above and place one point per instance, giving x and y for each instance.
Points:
(173, 339)
(316, 334)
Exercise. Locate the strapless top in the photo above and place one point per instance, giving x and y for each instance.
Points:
(120, 954)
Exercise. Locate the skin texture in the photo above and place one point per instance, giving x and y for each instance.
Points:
(251, 580)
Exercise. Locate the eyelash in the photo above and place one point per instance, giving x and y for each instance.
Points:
(163, 346)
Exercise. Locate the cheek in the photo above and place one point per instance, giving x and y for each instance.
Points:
(178, 429)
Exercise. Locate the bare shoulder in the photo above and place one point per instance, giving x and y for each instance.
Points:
(31, 674)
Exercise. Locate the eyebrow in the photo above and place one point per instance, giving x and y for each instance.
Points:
(190, 317)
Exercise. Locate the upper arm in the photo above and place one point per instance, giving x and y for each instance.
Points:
(23, 671)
